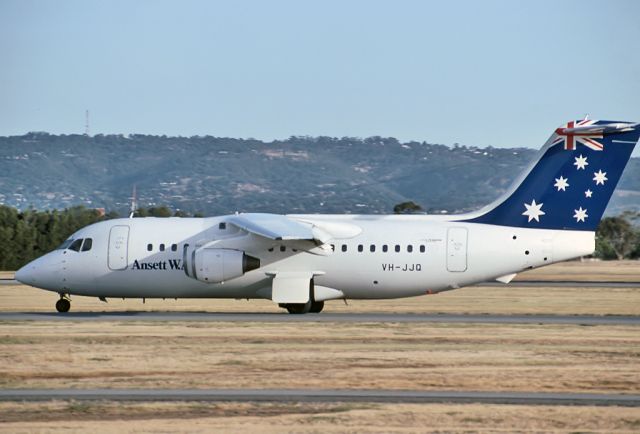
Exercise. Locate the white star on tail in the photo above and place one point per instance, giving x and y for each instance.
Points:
(534, 211)
(581, 162)
(588, 193)
(580, 215)
(600, 177)
(561, 183)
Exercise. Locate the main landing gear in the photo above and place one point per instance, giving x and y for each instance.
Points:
(311, 306)
(63, 305)
(300, 308)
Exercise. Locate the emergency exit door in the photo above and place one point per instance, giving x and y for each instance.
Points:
(457, 249)
(118, 246)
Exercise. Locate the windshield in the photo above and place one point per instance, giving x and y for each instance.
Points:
(75, 246)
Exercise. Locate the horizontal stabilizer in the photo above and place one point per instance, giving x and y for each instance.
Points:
(604, 129)
(506, 278)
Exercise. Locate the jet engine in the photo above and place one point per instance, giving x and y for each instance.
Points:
(211, 265)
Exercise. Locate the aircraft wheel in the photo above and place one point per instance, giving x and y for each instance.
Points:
(316, 307)
(63, 305)
(298, 308)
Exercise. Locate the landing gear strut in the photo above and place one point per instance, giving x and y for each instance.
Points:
(63, 305)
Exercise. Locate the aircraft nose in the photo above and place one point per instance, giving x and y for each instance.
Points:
(26, 274)
(43, 272)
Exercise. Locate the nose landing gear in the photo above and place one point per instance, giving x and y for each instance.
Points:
(63, 305)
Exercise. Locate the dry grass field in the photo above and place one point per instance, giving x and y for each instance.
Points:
(79, 417)
(496, 357)
(587, 271)
(563, 358)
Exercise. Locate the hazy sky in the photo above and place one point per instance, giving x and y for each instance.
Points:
(501, 73)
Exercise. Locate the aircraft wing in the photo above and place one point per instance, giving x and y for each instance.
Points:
(278, 227)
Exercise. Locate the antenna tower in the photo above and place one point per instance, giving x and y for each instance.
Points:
(86, 122)
(134, 203)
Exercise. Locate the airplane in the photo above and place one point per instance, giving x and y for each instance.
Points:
(548, 215)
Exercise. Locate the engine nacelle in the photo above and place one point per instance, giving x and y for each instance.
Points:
(213, 265)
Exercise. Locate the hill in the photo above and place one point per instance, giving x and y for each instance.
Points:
(214, 175)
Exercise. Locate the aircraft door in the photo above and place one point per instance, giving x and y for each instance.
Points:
(457, 249)
(117, 258)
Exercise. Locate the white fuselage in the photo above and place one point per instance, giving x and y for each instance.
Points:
(424, 254)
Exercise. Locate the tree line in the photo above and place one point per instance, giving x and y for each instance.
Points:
(619, 237)
(26, 235)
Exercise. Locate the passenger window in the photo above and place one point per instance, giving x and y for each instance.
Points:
(360, 247)
(422, 249)
(222, 226)
(344, 247)
(75, 246)
(174, 247)
(372, 248)
(86, 246)
(385, 248)
(149, 247)
(283, 248)
(409, 248)
(271, 249)
(397, 247)
(162, 247)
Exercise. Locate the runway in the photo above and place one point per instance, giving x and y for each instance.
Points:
(587, 320)
(322, 395)
(521, 283)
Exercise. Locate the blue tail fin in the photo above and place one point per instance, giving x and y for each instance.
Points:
(570, 184)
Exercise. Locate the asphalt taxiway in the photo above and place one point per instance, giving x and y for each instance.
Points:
(515, 283)
(587, 320)
(322, 395)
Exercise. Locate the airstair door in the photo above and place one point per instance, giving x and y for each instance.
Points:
(117, 258)
(457, 249)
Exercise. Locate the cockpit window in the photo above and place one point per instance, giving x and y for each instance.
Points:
(86, 246)
(66, 244)
(75, 246)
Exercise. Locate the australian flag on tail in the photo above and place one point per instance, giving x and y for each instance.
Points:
(576, 132)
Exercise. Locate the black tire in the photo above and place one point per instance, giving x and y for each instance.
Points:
(316, 307)
(298, 308)
(63, 305)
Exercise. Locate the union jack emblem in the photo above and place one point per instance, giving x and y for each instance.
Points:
(586, 138)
